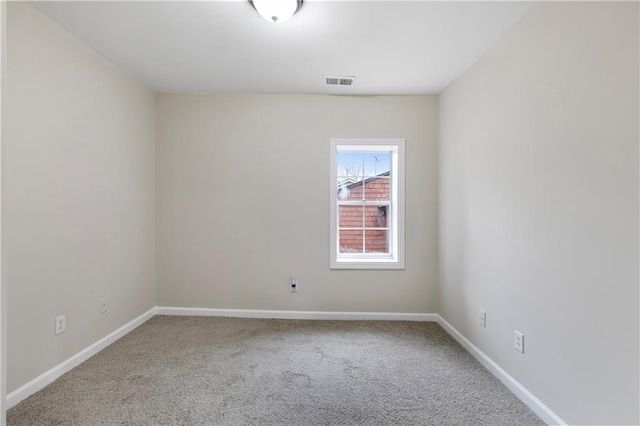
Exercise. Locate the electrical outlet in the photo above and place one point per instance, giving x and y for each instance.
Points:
(519, 342)
(103, 305)
(61, 324)
(483, 318)
(293, 286)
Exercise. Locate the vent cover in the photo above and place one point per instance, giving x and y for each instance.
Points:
(339, 81)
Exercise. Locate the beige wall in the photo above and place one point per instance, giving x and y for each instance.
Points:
(243, 202)
(539, 207)
(78, 194)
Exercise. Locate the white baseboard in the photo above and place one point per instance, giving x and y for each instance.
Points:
(299, 315)
(544, 412)
(514, 386)
(49, 376)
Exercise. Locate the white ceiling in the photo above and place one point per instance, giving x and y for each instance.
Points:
(392, 47)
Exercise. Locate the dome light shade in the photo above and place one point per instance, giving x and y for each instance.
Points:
(276, 11)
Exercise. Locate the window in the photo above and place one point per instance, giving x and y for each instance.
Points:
(367, 204)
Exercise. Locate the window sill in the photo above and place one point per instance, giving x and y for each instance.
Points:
(367, 264)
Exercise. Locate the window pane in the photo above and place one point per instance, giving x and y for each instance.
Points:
(376, 216)
(376, 241)
(350, 241)
(377, 189)
(376, 163)
(349, 190)
(350, 217)
(350, 165)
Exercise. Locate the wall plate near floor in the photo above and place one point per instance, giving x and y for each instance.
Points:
(61, 324)
(519, 341)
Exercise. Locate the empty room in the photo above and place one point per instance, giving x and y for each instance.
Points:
(287, 212)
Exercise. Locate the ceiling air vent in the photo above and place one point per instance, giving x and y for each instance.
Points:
(339, 81)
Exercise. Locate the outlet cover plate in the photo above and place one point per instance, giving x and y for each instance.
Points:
(61, 324)
(519, 342)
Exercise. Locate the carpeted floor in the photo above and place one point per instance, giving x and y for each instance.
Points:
(231, 371)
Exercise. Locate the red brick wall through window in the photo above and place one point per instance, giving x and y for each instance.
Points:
(364, 217)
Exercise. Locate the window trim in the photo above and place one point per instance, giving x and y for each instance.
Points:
(397, 201)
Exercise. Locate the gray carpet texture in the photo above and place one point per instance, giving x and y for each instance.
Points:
(235, 371)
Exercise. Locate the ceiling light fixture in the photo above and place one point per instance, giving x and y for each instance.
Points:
(276, 11)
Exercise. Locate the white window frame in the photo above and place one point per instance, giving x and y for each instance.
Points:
(395, 259)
